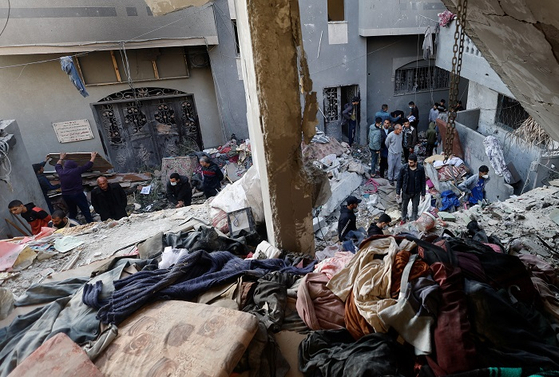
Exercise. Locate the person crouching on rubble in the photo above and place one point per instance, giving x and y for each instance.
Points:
(35, 216)
(475, 186)
(179, 192)
(376, 228)
(348, 221)
(212, 176)
(60, 220)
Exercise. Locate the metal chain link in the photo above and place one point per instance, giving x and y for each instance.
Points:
(458, 50)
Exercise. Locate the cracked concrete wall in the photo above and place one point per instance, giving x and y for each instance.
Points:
(520, 40)
(269, 54)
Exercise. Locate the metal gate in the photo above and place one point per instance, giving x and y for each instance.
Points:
(139, 127)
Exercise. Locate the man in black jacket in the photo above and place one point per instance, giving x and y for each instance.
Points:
(212, 176)
(179, 191)
(411, 183)
(109, 200)
(348, 221)
(376, 227)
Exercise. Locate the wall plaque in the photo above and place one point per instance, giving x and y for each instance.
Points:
(73, 130)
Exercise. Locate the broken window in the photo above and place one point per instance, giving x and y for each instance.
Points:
(510, 113)
(336, 10)
(336, 98)
(113, 67)
(414, 77)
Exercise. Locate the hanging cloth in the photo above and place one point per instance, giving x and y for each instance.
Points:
(428, 44)
(67, 65)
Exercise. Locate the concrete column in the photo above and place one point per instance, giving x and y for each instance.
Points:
(271, 54)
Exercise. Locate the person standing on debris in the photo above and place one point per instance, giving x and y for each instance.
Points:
(384, 115)
(409, 138)
(475, 185)
(70, 175)
(44, 182)
(434, 113)
(411, 183)
(414, 112)
(442, 106)
(351, 118)
(376, 227)
(394, 144)
(109, 200)
(35, 216)
(459, 106)
(348, 221)
(375, 143)
(386, 129)
(60, 220)
(212, 176)
(431, 136)
(179, 191)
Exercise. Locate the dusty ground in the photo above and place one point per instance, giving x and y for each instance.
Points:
(105, 239)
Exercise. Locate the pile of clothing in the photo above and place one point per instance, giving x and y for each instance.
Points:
(398, 306)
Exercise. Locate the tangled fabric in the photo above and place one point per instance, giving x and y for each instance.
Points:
(192, 275)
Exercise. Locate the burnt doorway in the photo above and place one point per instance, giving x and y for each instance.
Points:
(141, 126)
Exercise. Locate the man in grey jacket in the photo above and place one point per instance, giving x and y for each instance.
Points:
(375, 143)
(394, 144)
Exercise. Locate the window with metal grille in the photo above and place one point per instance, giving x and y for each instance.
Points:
(409, 79)
(510, 113)
(331, 104)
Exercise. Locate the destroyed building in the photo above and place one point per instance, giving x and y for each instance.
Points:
(482, 290)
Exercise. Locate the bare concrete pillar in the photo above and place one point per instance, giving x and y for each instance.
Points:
(272, 55)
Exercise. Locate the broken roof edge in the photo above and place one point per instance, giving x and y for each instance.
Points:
(163, 7)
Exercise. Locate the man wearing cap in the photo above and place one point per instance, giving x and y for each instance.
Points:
(376, 227)
(351, 116)
(348, 221)
(411, 183)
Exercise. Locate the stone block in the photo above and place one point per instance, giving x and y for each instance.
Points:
(445, 216)
(341, 189)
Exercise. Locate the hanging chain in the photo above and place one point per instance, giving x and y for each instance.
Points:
(458, 50)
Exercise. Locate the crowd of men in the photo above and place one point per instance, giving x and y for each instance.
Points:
(109, 200)
(392, 140)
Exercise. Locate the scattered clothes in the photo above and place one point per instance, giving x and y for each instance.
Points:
(331, 266)
(192, 275)
(205, 238)
(335, 353)
(48, 292)
(449, 201)
(319, 308)
(494, 151)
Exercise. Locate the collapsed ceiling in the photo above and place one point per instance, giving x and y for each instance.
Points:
(520, 40)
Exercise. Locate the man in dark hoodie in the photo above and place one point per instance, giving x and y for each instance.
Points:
(70, 175)
(109, 200)
(348, 221)
(179, 191)
(212, 176)
(44, 182)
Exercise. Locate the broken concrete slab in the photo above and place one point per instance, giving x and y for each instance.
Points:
(346, 184)
(58, 356)
(554, 216)
(445, 216)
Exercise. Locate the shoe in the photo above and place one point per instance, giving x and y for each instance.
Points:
(391, 183)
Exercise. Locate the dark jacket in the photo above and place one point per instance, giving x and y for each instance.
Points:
(409, 137)
(403, 180)
(374, 230)
(346, 222)
(71, 176)
(36, 217)
(348, 110)
(182, 191)
(110, 204)
(212, 177)
(44, 182)
(384, 135)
